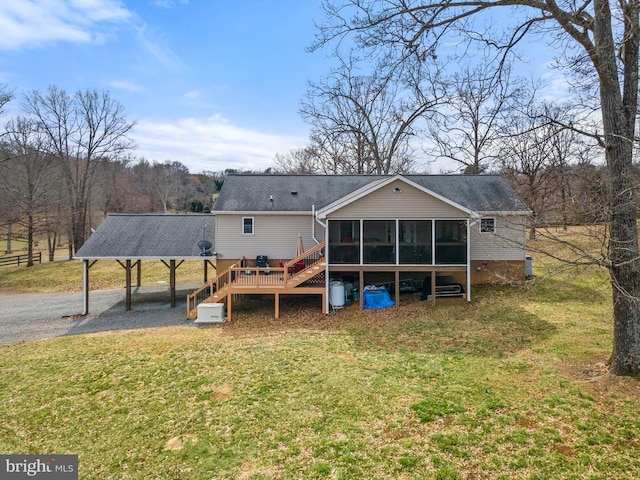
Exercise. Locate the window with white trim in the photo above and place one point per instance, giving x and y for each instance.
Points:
(488, 225)
(247, 225)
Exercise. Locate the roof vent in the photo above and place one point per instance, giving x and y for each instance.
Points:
(294, 192)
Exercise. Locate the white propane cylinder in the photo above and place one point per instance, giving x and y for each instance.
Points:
(336, 293)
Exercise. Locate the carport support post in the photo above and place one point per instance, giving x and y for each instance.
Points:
(139, 273)
(127, 269)
(86, 266)
(85, 287)
(172, 281)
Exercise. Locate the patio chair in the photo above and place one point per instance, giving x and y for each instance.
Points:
(290, 270)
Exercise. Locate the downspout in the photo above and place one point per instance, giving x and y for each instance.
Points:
(313, 224)
(326, 255)
(326, 267)
(468, 260)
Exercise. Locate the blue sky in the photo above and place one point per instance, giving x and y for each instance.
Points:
(214, 84)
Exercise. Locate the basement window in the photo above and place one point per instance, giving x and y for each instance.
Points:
(247, 225)
(487, 225)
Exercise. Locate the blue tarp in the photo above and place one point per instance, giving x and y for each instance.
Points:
(376, 297)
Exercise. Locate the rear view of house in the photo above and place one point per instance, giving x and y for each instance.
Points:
(402, 231)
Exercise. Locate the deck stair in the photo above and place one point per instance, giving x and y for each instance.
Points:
(303, 274)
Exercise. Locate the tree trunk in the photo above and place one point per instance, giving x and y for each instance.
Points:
(51, 245)
(624, 273)
(30, 241)
(618, 119)
(9, 238)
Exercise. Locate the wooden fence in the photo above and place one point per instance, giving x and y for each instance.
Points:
(20, 259)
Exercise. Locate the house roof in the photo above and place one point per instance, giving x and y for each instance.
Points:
(301, 193)
(148, 237)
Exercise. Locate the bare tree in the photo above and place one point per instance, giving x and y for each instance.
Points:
(26, 176)
(479, 102)
(299, 161)
(82, 131)
(6, 95)
(526, 163)
(598, 39)
(372, 116)
(169, 181)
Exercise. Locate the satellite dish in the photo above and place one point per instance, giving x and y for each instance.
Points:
(205, 248)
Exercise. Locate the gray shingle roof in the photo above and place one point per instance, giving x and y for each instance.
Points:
(148, 236)
(253, 193)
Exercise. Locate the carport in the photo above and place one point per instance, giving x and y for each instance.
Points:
(130, 239)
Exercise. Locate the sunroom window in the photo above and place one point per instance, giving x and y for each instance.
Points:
(344, 241)
(451, 242)
(379, 241)
(415, 242)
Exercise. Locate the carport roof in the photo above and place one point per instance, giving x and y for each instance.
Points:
(159, 237)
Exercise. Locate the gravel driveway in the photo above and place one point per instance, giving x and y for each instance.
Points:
(25, 317)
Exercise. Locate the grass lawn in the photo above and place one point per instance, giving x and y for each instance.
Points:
(512, 387)
(66, 276)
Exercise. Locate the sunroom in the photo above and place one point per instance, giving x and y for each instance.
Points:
(401, 253)
(397, 242)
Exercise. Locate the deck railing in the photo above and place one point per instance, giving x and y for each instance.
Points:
(307, 259)
(208, 289)
(240, 275)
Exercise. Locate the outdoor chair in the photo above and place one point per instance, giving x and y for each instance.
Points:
(290, 270)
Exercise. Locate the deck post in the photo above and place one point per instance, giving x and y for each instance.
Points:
(361, 288)
(229, 300)
(397, 281)
(433, 287)
(277, 305)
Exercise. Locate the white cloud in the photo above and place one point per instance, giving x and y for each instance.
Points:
(126, 85)
(210, 144)
(556, 87)
(193, 95)
(27, 23)
(168, 3)
(159, 49)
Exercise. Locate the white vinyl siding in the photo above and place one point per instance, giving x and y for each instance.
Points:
(398, 200)
(274, 235)
(506, 244)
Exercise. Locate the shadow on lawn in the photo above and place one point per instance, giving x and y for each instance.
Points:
(485, 329)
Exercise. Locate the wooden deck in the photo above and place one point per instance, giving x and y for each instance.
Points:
(303, 275)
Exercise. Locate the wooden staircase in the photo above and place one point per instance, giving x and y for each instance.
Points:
(303, 274)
